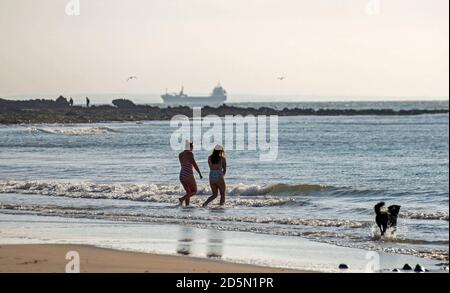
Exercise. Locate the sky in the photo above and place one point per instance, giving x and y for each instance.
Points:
(382, 49)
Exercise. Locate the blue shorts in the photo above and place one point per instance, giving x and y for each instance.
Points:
(215, 176)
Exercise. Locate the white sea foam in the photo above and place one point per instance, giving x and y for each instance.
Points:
(164, 217)
(239, 195)
(426, 215)
(72, 131)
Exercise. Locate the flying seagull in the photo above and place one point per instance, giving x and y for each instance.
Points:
(282, 77)
(131, 77)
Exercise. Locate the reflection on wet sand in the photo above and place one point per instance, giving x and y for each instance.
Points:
(214, 242)
(214, 247)
(185, 240)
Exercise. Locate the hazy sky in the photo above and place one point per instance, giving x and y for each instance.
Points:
(323, 47)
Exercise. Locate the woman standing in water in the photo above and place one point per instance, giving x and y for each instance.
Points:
(187, 178)
(218, 168)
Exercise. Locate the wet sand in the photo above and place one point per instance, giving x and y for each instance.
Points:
(51, 258)
(39, 244)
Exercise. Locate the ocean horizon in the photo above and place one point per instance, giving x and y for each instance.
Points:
(155, 99)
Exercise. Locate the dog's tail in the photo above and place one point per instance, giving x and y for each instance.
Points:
(378, 207)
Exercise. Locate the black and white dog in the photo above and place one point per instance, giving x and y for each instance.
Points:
(386, 219)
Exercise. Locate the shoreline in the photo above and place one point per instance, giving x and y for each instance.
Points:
(51, 258)
(188, 248)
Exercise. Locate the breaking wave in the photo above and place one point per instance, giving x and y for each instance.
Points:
(72, 131)
(239, 195)
(425, 215)
(277, 189)
(91, 212)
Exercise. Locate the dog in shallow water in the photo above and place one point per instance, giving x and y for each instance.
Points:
(386, 218)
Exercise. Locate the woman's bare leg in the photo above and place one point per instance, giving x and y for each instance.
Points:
(222, 188)
(214, 189)
(190, 186)
(187, 189)
(193, 188)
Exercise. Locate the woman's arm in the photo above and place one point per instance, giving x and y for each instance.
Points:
(210, 163)
(224, 166)
(194, 163)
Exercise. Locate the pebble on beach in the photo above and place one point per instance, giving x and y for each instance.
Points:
(343, 266)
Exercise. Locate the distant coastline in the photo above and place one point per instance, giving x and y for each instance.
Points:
(60, 111)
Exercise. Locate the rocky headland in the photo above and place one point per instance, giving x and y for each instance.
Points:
(61, 111)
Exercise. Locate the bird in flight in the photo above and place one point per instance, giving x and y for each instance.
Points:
(131, 77)
(282, 78)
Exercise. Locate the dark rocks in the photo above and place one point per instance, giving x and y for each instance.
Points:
(62, 102)
(419, 269)
(9, 105)
(59, 111)
(343, 266)
(396, 270)
(123, 104)
(71, 113)
(407, 267)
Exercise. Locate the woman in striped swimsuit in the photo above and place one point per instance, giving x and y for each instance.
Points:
(218, 169)
(187, 178)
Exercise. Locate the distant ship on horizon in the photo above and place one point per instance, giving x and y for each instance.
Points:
(216, 98)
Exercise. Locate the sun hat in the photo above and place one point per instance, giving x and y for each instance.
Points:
(187, 144)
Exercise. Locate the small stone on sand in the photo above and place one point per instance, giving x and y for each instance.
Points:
(343, 266)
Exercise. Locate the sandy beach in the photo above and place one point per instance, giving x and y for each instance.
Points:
(51, 259)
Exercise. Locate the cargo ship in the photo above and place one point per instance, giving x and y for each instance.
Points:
(216, 98)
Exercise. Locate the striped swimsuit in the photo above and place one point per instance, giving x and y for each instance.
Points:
(186, 171)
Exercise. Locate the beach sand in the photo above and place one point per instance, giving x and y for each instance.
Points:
(50, 258)
(30, 243)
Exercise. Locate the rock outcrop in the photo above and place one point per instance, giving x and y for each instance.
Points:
(123, 104)
(59, 111)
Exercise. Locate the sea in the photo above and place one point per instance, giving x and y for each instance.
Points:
(328, 175)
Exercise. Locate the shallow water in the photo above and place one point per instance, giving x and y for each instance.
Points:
(238, 247)
(329, 174)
